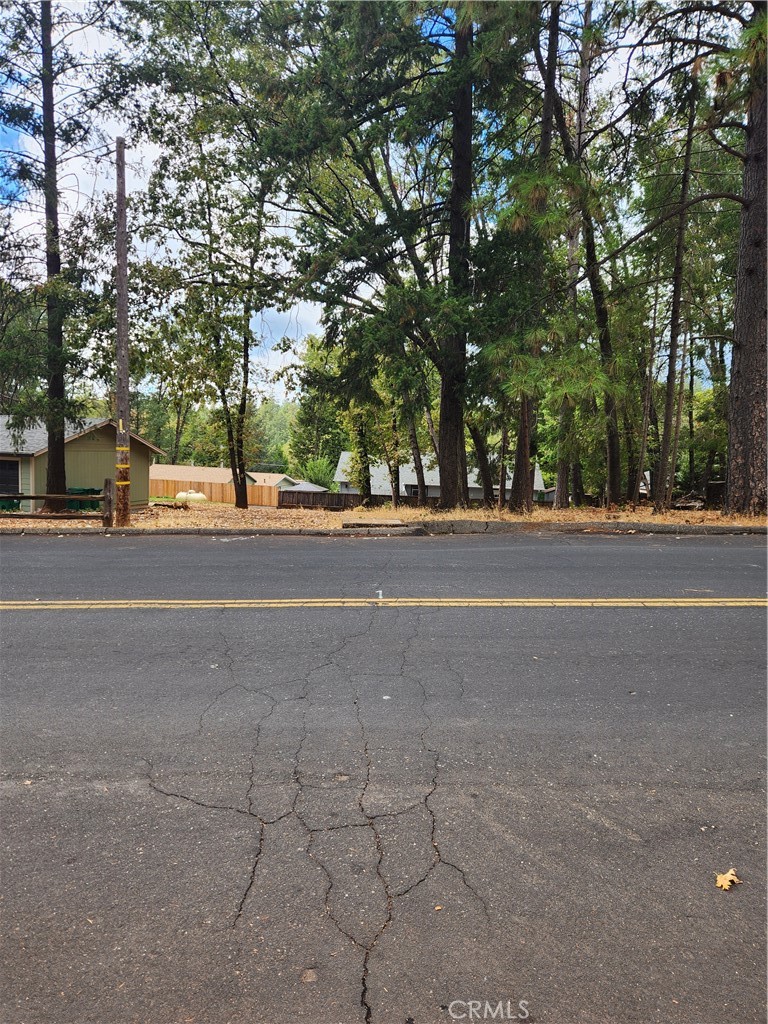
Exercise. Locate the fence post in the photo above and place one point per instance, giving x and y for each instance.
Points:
(108, 508)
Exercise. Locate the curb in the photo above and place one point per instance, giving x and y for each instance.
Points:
(432, 528)
(203, 531)
(459, 526)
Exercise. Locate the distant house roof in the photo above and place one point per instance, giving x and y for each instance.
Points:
(380, 476)
(305, 485)
(190, 474)
(272, 479)
(213, 475)
(34, 439)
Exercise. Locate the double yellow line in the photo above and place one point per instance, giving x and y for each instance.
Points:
(257, 604)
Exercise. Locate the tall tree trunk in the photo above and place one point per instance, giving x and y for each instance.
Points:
(663, 486)
(563, 481)
(691, 391)
(521, 496)
(632, 464)
(718, 372)
(235, 451)
(418, 465)
(432, 432)
(746, 490)
(181, 410)
(56, 477)
(394, 483)
(483, 465)
(463, 473)
(566, 415)
(393, 464)
(647, 395)
(502, 499)
(550, 83)
(654, 436)
(361, 451)
(612, 443)
(454, 350)
(236, 428)
(451, 429)
(678, 422)
(521, 492)
(578, 483)
(573, 151)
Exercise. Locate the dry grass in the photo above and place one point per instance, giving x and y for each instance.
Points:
(225, 517)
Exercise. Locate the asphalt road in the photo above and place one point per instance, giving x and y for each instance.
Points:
(386, 814)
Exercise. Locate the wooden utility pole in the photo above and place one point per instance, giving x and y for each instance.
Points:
(56, 476)
(123, 440)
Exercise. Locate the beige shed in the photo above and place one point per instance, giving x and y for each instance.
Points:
(89, 457)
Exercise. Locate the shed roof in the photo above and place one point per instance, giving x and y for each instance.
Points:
(305, 485)
(34, 439)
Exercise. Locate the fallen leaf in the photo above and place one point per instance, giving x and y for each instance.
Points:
(727, 880)
(438, 907)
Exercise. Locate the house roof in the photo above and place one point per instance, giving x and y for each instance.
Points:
(271, 479)
(34, 439)
(212, 475)
(190, 474)
(305, 485)
(380, 476)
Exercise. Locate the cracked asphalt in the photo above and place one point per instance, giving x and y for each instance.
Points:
(381, 814)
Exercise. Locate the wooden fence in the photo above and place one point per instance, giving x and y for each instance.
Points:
(106, 499)
(317, 499)
(328, 500)
(224, 493)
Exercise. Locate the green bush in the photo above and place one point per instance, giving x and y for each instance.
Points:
(316, 471)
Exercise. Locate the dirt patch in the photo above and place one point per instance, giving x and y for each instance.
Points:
(207, 515)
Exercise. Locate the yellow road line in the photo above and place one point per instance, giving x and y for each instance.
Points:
(386, 602)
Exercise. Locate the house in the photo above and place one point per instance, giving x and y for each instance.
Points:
(279, 480)
(89, 459)
(380, 484)
(187, 476)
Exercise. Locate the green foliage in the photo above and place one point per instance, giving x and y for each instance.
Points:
(275, 421)
(305, 152)
(22, 351)
(202, 437)
(317, 471)
(317, 430)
